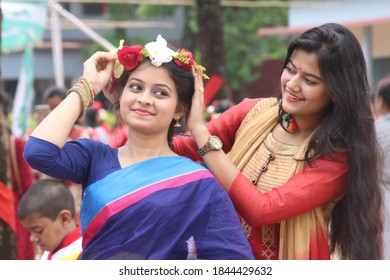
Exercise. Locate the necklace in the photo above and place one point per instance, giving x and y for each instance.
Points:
(264, 168)
(291, 125)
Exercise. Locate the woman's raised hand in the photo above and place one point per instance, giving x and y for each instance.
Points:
(98, 70)
(196, 117)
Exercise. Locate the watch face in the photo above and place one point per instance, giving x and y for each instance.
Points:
(215, 143)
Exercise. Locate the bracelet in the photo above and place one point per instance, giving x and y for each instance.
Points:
(85, 92)
(88, 84)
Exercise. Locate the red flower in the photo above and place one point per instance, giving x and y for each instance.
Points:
(130, 56)
(184, 58)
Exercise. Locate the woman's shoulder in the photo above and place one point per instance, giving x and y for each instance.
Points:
(259, 106)
(264, 103)
(255, 106)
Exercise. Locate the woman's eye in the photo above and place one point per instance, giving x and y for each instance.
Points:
(310, 82)
(290, 69)
(135, 87)
(160, 93)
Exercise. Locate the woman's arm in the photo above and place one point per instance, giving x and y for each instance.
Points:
(312, 188)
(68, 163)
(55, 128)
(217, 161)
(225, 127)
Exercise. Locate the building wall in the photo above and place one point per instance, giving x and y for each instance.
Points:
(337, 11)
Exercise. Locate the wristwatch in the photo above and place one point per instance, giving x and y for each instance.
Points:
(213, 144)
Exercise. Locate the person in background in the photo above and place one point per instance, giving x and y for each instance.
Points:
(140, 201)
(21, 178)
(40, 112)
(106, 116)
(94, 125)
(53, 96)
(301, 169)
(8, 247)
(216, 108)
(47, 211)
(381, 107)
(119, 135)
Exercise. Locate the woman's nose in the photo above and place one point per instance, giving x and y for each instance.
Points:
(294, 83)
(145, 97)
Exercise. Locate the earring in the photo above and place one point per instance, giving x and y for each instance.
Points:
(177, 124)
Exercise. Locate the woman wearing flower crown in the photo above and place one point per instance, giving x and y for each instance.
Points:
(301, 170)
(142, 200)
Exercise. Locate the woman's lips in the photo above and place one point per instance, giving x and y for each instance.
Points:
(293, 98)
(142, 112)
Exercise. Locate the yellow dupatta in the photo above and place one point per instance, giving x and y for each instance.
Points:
(301, 237)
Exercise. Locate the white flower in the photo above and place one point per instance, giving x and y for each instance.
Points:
(159, 53)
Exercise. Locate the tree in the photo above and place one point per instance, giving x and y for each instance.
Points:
(210, 41)
(245, 49)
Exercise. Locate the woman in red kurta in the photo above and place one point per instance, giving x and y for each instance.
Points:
(19, 179)
(276, 203)
(22, 178)
(301, 170)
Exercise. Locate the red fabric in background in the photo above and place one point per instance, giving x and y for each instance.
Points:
(7, 210)
(26, 177)
(211, 89)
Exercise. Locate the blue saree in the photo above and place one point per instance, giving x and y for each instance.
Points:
(162, 208)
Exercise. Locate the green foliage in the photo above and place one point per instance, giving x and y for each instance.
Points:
(245, 49)
(110, 119)
(191, 20)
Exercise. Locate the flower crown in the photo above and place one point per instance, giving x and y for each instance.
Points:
(128, 57)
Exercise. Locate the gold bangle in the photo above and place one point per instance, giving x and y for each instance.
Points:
(84, 94)
(82, 100)
(86, 82)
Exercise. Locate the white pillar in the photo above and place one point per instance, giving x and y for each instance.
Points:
(57, 51)
(367, 51)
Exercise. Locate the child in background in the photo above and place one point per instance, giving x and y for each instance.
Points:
(47, 211)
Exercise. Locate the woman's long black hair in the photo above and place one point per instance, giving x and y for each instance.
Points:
(356, 224)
